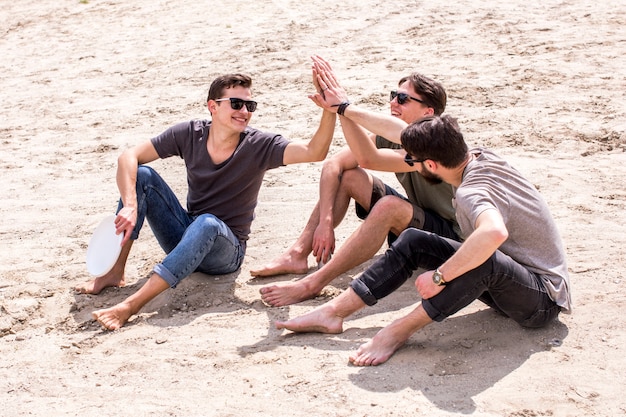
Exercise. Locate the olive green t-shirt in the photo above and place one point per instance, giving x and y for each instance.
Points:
(436, 198)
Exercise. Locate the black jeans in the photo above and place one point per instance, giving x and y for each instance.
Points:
(500, 282)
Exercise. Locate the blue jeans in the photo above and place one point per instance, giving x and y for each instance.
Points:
(500, 282)
(200, 243)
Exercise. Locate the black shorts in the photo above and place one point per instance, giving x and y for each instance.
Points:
(422, 218)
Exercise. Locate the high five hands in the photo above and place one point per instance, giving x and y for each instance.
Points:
(329, 92)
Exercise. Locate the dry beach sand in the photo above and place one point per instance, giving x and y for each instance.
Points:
(543, 84)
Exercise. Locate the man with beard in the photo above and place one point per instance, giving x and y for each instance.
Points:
(511, 258)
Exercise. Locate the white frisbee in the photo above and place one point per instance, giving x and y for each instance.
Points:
(104, 247)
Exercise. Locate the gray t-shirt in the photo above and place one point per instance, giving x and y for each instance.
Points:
(489, 182)
(228, 190)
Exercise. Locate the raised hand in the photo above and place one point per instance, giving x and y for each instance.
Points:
(329, 92)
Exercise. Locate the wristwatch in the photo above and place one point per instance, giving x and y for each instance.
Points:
(438, 277)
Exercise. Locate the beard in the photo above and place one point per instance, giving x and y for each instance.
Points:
(430, 178)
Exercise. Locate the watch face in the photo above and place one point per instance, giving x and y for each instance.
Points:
(438, 278)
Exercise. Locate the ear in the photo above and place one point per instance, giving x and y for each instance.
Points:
(212, 106)
(431, 165)
(429, 112)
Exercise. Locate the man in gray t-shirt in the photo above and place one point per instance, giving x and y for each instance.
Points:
(511, 258)
(225, 162)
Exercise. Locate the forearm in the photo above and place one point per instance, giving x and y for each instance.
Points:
(317, 148)
(330, 180)
(320, 142)
(469, 256)
(359, 141)
(478, 247)
(126, 179)
(384, 125)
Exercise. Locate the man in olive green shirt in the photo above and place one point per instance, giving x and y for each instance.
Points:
(386, 212)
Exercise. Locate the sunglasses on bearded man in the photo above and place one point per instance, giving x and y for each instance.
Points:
(410, 161)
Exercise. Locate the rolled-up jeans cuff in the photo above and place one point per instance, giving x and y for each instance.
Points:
(164, 273)
(363, 292)
(433, 313)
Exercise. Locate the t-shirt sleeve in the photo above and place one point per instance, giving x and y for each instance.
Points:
(471, 203)
(171, 141)
(382, 143)
(269, 149)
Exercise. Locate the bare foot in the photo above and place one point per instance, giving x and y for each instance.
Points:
(378, 350)
(287, 293)
(114, 317)
(96, 285)
(287, 263)
(320, 320)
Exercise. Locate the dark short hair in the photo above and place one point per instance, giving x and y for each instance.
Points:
(227, 81)
(435, 137)
(430, 90)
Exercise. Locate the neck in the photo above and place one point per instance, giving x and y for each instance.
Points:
(223, 138)
(456, 174)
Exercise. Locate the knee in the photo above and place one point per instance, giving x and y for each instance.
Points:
(145, 170)
(145, 174)
(412, 237)
(393, 210)
(208, 225)
(352, 179)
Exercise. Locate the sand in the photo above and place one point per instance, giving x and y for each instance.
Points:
(541, 84)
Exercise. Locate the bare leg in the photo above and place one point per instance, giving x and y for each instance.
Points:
(390, 213)
(113, 278)
(327, 318)
(115, 317)
(388, 340)
(295, 259)
(356, 184)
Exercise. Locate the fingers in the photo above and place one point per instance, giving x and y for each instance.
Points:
(323, 254)
(324, 72)
(125, 239)
(316, 83)
(327, 74)
(327, 79)
(321, 62)
(326, 256)
(329, 91)
(322, 82)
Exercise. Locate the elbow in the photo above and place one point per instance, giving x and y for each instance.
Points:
(499, 235)
(122, 158)
(127, 158)
(331, 167)
(329, 164)
(319, 157)
(367, 163)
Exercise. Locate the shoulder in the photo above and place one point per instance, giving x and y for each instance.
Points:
(252, 133)
(260, 138)
(187, 128)
(382, 143)
(181, 137)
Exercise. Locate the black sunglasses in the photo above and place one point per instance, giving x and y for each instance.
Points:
(410, 161)
(237, 103)
(404, 97)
